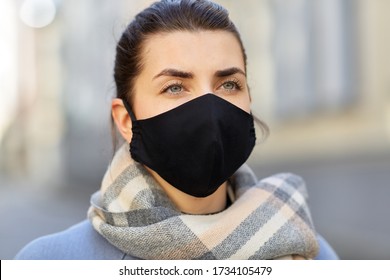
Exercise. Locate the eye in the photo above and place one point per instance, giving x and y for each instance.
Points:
(231, 85)
(173, 89)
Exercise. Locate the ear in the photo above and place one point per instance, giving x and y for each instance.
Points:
(121, 119)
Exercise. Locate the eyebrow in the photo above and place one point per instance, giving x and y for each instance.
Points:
(174, 73)
(229, 72)
(188, 75)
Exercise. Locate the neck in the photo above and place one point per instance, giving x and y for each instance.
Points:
(188, 204)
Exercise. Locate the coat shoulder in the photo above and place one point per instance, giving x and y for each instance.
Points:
(79, 242)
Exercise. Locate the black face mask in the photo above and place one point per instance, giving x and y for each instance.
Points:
(197, 146)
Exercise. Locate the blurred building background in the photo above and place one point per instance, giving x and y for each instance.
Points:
(319, 73)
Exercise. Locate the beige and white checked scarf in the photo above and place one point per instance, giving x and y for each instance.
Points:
(268, 219)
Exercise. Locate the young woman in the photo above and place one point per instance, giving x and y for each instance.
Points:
(179, 188)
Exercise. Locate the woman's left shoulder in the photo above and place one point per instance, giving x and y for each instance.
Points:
(78, 242)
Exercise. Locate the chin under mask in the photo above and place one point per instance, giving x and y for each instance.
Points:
(196, 146)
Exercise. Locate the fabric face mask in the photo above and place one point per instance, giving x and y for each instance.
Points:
(196, 146)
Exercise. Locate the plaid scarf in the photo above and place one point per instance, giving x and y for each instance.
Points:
(268, 219)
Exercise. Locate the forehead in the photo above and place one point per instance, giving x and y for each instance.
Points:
(219, 49)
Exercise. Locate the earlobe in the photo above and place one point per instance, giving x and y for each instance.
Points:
(121, 119)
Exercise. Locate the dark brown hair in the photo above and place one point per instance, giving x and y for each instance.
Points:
(163, 17)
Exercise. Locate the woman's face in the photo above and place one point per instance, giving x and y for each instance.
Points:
(180, 66)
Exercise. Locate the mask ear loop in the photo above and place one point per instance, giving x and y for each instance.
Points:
(134, 126)
(128, 109)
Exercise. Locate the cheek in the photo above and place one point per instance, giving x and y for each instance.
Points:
(246, 106)
(149, 105)
(143, 106)
(243, 102)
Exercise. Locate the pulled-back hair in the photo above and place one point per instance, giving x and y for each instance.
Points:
(164, 17)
